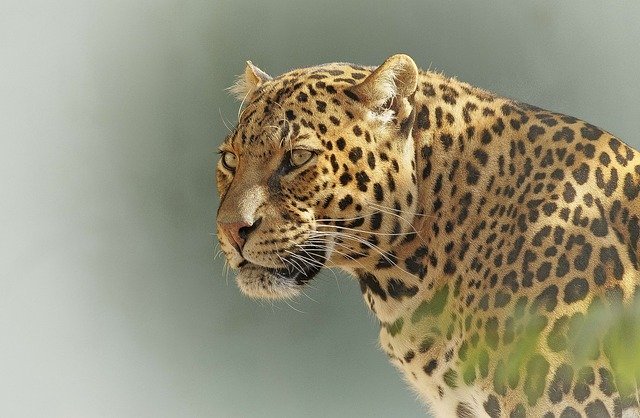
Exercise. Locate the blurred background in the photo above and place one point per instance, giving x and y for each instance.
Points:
(111, 304)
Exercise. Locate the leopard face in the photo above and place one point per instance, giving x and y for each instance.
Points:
(316, 164)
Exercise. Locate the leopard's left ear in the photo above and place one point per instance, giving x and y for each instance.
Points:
(390, 86)
(248, 82)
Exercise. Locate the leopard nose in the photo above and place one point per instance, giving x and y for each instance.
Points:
(238, 232)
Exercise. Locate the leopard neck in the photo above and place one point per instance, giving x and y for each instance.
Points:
(455, 129)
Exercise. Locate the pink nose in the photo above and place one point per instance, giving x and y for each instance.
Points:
(238, 232)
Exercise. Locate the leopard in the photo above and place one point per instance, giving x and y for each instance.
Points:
(496, 242)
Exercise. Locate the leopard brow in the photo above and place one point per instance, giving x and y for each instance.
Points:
(292, 140)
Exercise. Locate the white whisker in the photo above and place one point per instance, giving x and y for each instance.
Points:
(376, 205)
(294, 263)
(374, 247)
(289, 305)
(240, 111)
(398, 234)
(224, 122)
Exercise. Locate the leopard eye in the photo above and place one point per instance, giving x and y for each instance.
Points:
(300, 157)
(229, 160)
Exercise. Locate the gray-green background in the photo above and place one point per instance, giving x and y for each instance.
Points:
(110, 115)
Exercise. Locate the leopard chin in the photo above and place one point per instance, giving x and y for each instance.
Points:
(261, 282)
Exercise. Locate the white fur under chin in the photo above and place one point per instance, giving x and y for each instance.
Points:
(262, 284)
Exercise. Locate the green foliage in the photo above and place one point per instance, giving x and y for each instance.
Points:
(615, 329)
(609, 330)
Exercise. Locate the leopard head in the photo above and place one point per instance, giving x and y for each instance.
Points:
(315, 172)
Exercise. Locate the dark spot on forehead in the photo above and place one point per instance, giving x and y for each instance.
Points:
(290, 115)
(321, 106)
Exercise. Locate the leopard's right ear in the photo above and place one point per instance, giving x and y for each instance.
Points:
(248, 82)
(388, 91)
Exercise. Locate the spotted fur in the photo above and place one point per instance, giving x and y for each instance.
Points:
(483, 232)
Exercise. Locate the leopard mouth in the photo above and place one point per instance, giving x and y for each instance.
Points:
(275, 283)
